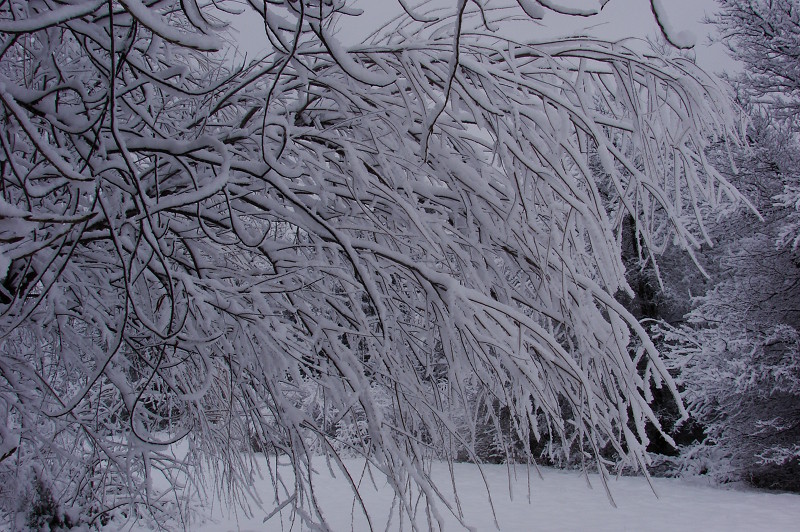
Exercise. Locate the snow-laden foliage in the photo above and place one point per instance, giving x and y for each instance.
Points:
(258, 258)
(739, 364)
(765, 36)
(739, 356)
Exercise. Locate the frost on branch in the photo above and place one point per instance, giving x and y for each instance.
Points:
(196, 253)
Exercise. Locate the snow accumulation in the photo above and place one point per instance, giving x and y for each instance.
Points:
(679, 38)
(558, 501)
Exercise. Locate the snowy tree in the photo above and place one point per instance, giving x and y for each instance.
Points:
(199, 259)
(738, 353)
(765, 36)
(739, 357)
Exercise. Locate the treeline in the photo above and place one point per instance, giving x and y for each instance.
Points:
(731, 336)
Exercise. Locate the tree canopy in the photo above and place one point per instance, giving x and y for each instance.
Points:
(404, 235)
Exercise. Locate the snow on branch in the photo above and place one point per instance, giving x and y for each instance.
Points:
(675, 36)
(363, 251)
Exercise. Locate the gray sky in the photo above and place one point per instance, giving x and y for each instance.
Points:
(619, 19)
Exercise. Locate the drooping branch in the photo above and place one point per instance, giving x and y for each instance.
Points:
(392, 236)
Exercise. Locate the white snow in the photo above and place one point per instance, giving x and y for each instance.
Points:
(561, 500)
(5, 262)
(679, 38)
(532, 8)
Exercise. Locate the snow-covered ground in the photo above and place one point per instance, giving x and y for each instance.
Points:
(561, 500)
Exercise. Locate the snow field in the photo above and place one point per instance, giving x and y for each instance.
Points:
(559, 501)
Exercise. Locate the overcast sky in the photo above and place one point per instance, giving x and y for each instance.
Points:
(619, 19)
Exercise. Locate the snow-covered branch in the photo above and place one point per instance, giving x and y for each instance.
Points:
(387, 237)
